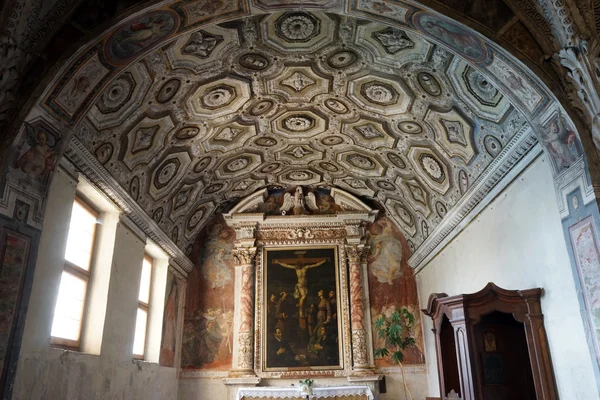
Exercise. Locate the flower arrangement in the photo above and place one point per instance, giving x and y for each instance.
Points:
(305, 387)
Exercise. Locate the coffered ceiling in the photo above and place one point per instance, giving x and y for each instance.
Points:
(297, 98)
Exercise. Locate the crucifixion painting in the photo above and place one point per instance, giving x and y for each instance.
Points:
(300, 265)
(301, 325)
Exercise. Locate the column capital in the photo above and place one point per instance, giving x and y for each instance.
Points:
(244, 255)
(357, 253)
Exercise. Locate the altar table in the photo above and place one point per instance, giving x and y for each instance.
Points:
(322, 393)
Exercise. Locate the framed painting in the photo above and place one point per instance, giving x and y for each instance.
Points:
(301, 329)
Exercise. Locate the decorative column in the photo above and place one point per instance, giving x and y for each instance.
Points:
(360, 355)
(583, 82)
(243, 339)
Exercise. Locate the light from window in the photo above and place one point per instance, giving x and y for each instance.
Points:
(141, 323)
(68, 314)
(69, 307)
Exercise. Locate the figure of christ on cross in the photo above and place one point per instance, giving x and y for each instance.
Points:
(301, 265)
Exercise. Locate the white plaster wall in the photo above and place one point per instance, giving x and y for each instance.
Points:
(517, 242)
(48, 373)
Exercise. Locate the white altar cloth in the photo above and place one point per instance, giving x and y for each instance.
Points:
(292, 391)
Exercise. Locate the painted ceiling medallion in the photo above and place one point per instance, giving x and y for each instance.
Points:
(393, 40)
(202, 164)
(168, 90)
(396, 160)
(342, 59)
(265, 142)
(429, 84)
(228, 134)
(196, 218)
(410, 127)
(455, 131)
(328, 167)
(166, 172)
(117, 94)
(201, 44)
(104, 152)
(481, 87)
(332, 140)
(492, 145)
(404, 214)
(463, 181)
(267, 169)
(262, 107)
(237, 164)
(379, 93)
(187, 132)
(218, 96)
(299, 175)
(143, 138)
(336, 106)
(298, 81)
(215, 187)
(368, 131)
(386, 185)
(297, 26)
(432, 167)
(254, 61)
(299, 152)
(299, 123)
(361, 161)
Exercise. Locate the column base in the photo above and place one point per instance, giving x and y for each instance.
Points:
(242, 374)
(368, 378)
(235, 383)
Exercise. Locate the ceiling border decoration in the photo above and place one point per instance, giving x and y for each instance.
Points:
(520, 152)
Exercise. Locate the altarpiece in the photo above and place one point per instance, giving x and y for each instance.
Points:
(300, 287)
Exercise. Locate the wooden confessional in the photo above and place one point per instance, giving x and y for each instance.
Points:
(491, 345)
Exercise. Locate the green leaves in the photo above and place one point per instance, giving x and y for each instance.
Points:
(396, 332)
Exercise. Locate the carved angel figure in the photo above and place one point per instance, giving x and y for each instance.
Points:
(298, 202)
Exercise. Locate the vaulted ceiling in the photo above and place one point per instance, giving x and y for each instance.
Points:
(296, 98)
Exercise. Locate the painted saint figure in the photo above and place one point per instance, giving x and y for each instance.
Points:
(40, 157)
(301, 290)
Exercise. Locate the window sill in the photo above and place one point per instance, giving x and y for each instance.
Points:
(64, 352)
(140, 362)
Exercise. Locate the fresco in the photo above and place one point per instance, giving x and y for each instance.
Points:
(170, 321)
(494, 14)
(458, 38)
(197, 12)
(139, 34)
(392, 285)
(516, 82)
(209, 304)
(562, 143)
(584, 240)
(301, 292)
(38, 151)
(14, 256)
(84, 79)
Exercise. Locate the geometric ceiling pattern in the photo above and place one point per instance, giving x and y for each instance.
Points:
(298, 98)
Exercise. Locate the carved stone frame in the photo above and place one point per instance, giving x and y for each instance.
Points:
(342, 230)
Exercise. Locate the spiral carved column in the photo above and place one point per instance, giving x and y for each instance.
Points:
(360, 356)
(243, 339)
